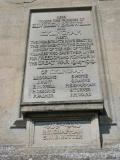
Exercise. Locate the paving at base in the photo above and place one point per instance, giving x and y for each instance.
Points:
(8, 152)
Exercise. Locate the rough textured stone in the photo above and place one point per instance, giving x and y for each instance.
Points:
(8, 152)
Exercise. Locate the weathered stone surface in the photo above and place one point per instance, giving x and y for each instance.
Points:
(62, 58)
(8, 152)
(110, 23)
(13, 28)
(67, 133)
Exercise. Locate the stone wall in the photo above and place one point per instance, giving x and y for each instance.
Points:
(13, 31)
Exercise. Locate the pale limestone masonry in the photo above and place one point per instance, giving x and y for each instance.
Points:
(13, 32)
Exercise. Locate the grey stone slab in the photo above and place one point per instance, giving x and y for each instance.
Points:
(62, 64)
(81, 133)
(13, 26)
(62, 107)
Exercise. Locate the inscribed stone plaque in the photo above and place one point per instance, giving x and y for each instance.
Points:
(61, 64)
(67, 133)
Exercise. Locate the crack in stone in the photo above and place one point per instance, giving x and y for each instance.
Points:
(25, 2)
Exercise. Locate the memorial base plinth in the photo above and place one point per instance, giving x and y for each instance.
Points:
(63, 129)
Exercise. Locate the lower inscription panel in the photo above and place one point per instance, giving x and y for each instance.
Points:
(67, 133)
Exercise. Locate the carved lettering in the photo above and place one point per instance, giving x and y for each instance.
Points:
(62, 58)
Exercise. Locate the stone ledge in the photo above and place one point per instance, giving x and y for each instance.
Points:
(16, 152)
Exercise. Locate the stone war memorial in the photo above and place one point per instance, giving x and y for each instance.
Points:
(59, 76)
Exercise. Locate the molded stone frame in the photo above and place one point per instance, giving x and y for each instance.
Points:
(92, 105)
